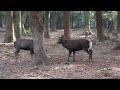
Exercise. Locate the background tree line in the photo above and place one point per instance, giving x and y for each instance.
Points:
(77, 19)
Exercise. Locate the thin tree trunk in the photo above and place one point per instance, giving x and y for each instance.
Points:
(47, 24)
(23, 19)
(87, 27)
(99, 24)
(67, 30)
(72, 21)
(17, 23)
(53, 21)
(38, 39)
(27, 21)
(0, 21)
(9, 36)
(110, 26)
(118, 22)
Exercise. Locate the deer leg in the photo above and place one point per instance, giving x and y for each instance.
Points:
(73, 56)
(68, 57)
(89, 51)
(16, 53)
(31, 52)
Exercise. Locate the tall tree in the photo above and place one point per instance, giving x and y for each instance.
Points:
(67, 30)
(118, 22)
(87, 18)
(17, 23)
(27, 21)
(87, 23)
(47, 24)
(99, 23)
(9, 36)
(23, 19)
(0, 21)
(38, 38)
(71, 19)
(53, 21)
(2, 17)
(59, 20)
(110, 26)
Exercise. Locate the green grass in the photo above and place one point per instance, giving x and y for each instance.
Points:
(8, 52)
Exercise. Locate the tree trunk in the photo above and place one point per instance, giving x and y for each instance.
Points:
(17, 23)
(67, 31)
(23, 16)
(118, 22)
(47, 24)
(71, 16)
(105, 23)
(0, 21)
(87, 27)
(53, 21)
(100, 34)
(9, 36)
(87, 18)
(27, 21)
(110, 26)
(59, 20)
(38, 39)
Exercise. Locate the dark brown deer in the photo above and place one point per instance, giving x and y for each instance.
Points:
(24, 44)
(76, 45)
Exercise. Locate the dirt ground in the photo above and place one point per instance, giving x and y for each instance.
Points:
(106, 63)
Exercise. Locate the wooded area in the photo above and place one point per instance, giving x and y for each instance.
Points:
(62, 44)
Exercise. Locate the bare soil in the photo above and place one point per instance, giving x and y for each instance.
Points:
(106, 63)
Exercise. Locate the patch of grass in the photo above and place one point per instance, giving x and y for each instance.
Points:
(8, 52)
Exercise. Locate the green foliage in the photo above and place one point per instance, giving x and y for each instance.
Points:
(1, 14)
(59, 20)
(3, 17)
(86, 17)
(111, 15)
(77, 19)
(8, 52)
